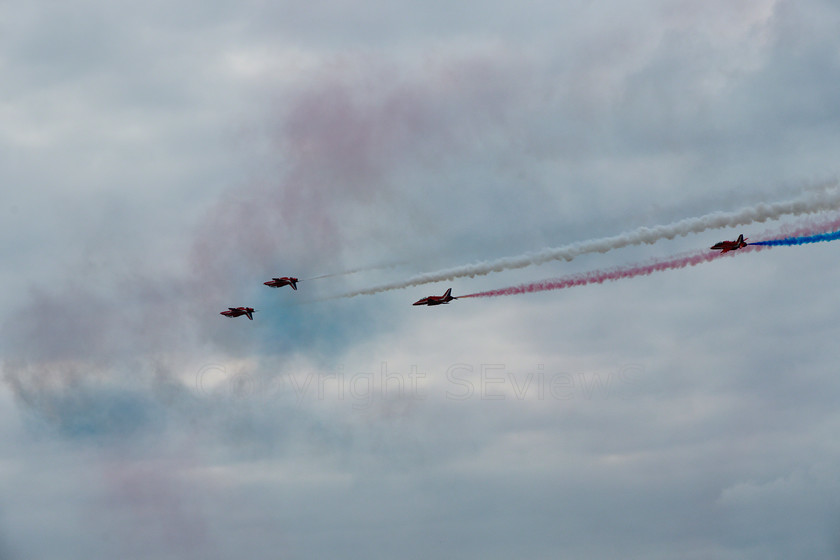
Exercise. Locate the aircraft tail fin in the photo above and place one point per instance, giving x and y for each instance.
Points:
(448, 294)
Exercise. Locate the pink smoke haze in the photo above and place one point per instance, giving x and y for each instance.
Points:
(338, 144)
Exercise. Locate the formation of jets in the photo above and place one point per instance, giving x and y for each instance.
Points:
(249, 311)
(726, 246)
(723, 247)
(292, 281)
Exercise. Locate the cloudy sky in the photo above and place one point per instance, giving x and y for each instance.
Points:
(161, 160)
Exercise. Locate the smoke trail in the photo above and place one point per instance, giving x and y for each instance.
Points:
(826, 198)
(600, 276)
(802, 240)
(804, 235)
(357, 270)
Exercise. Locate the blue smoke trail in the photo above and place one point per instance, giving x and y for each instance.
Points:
(802, 240)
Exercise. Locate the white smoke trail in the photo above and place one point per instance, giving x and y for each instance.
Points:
(825, 197)
(357, 270)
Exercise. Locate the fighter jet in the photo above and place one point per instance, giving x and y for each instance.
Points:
(283, 281)
(436, 300)
(239, 311)
(726, 246)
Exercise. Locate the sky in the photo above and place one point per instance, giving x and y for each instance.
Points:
(161, 160)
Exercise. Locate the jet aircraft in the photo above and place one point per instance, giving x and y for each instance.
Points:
(284, 281)
(239, 311)
(726, 246)
(436, 300)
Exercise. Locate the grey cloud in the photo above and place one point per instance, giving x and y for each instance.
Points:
(582, 123)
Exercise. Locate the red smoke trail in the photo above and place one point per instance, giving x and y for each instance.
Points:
(600, 276)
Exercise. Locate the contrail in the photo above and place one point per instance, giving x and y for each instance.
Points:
(826, 197)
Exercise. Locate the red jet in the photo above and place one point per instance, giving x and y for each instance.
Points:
(436, 300)
(284, 281)
(239, 311)
(726, 246)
